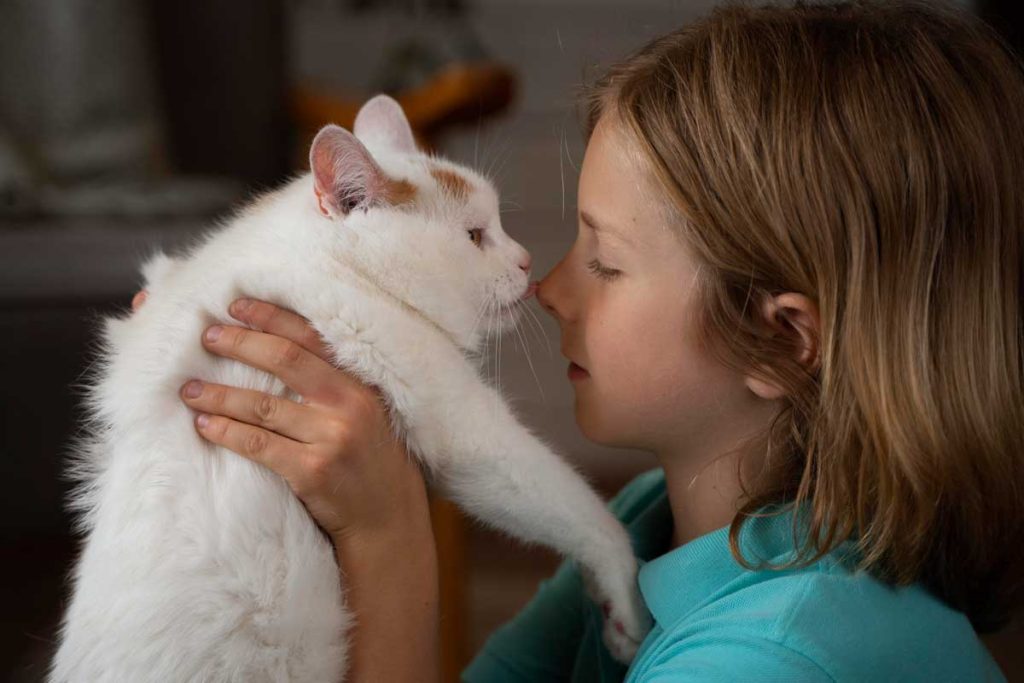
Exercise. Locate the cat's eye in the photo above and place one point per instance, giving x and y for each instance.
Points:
(600, 271)
(476, 235)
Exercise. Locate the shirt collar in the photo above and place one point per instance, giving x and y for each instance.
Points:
(681, 580)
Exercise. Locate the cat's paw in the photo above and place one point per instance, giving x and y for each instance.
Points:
(626, 619)
(624, 630)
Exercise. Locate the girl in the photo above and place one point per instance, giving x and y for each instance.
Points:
(797, 280)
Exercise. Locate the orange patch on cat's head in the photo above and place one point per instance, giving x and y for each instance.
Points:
(451, 182)
(393, 192)
(399, 192)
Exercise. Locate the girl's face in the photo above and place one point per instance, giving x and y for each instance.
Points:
(623, 297)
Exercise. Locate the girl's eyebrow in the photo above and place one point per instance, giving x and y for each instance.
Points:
(589, 221)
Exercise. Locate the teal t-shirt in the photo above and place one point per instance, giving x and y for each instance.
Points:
(716, 621)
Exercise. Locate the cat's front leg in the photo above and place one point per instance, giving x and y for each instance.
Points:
(499, 472)
(479, 455)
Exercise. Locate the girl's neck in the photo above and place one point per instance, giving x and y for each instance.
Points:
(702, 500)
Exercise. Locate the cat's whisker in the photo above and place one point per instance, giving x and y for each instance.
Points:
(483, 153)
(542, 333)
(530, 319)
(504, 149)
(530, 322)
(476, 321)
(485, 163)
(497, 327)
(507, 154)
(492, 320)
(498, 151)
(516, 339)
(527, 324)
(502, 156)
(487, 340)
(520, 305)
(497, 357)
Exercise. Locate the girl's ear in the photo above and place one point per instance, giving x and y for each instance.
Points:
(381, 121)
(794, 315)
(345, 176)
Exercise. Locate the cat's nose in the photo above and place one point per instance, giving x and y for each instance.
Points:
(525, 265)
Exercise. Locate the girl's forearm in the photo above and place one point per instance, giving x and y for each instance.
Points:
(391, 587)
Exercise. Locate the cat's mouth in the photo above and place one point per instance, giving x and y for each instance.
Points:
(507, 315)
(504, 311)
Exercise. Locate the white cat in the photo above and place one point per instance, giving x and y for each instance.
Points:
(203, 568)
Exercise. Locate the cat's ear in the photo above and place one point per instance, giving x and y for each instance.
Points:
(345, 176)
(382, 121)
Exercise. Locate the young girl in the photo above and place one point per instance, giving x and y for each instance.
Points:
(797, 280)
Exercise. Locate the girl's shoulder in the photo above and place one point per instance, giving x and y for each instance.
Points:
(824, 621)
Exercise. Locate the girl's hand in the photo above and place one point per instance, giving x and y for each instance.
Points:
(335, 449)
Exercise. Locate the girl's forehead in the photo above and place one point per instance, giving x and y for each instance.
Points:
(614, 164)
(612, 140)
(616, 194)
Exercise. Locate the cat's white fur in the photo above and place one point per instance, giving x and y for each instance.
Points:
(201, 565)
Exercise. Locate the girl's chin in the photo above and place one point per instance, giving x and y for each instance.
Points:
(589, 424)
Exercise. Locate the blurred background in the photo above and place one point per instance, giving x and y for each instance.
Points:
(126, 126)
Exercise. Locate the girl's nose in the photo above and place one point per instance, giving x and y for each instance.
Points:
(543, 295)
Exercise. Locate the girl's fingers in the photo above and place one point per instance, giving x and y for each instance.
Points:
(287, 418)
(278, 453)
(279, 321)
(301, 370)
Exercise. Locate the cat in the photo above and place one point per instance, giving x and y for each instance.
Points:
(203, 568)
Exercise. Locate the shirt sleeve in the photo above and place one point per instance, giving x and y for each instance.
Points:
(732, 659)
(540, 642)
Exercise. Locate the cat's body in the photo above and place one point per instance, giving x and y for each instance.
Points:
(201, 565)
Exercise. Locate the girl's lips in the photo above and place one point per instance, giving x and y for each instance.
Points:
(576, 372)
(530, 291)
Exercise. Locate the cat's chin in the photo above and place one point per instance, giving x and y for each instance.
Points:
(509, 318)
(498, 323)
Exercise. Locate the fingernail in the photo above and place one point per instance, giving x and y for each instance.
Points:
(193, 388)
(240, 306)
(213, 333)
(202, 420)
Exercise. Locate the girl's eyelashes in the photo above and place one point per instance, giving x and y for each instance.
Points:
(476, 235)
(601, 272)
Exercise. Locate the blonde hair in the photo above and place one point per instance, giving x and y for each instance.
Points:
(869, 155)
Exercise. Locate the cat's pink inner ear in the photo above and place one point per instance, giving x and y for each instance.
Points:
(382, 121)
(346, 177)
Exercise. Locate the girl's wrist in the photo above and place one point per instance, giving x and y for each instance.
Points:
(406, 527)
(391, 586)
(376, 550)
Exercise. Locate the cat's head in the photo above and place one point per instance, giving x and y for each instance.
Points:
(423, 228)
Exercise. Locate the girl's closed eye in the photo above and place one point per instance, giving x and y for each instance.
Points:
(602, 272)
